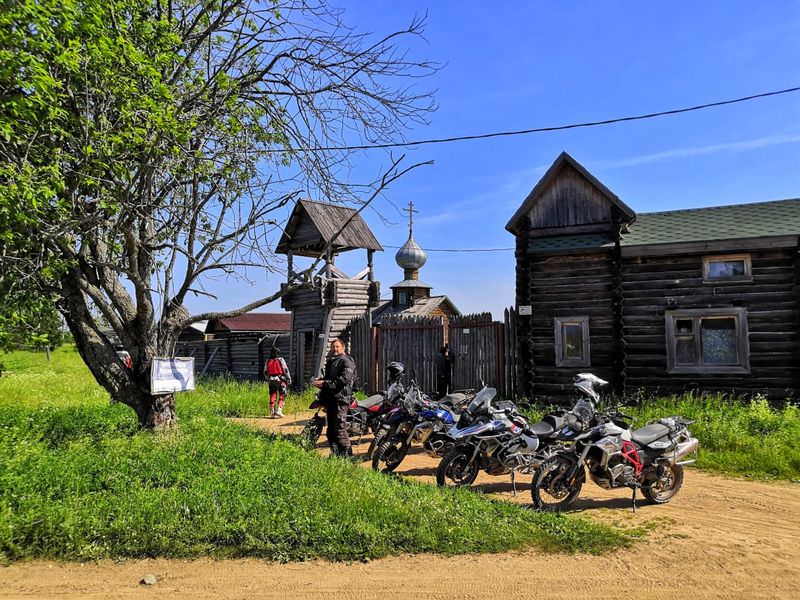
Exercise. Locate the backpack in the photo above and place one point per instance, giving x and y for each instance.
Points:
(274, 367)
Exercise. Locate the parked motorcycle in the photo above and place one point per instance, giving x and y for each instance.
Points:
(505, 443)
(418, 420)
(650, 458)
(363, 415)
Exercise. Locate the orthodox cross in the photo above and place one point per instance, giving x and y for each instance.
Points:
(410, 210)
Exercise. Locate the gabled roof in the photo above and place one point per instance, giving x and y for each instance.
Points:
(421, 307)
(325, 220)
(562, 161)
(737, 221)
(254, 322)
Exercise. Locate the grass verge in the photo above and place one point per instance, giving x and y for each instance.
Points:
(78, 481)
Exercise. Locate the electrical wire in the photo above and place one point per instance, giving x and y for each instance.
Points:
(483, 136)
(458, 249)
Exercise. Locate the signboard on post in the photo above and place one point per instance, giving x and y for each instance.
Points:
(169, 375)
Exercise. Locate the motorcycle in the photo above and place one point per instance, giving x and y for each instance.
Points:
(501, 444)
(418, 420)
(363, 416)
(506, 444)
(650, 459)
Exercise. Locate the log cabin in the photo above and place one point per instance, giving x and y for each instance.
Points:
(658, 303)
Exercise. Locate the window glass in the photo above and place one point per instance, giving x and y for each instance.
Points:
(718, 338)
(684, 351)
(402, 298)
(573, 341)
(683, 326)
(723, 269)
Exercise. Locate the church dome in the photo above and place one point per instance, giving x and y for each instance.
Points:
(410, 256)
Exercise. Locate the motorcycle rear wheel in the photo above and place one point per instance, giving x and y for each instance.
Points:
(455, 470)
(549, 491)
(663, 489)
(391, 453)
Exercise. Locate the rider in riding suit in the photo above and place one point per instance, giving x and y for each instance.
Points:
(336, 390)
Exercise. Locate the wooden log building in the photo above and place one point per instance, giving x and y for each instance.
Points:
(323, 312)
(664, 302)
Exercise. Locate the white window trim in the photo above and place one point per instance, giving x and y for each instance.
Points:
(696, 314)
(748, 269)
(561, 360)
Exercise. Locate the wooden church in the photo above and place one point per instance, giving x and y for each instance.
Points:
(699, 299)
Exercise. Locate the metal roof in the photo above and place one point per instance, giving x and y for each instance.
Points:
(411, 283)
(255, 322)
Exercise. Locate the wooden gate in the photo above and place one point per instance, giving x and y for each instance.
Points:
(478, 345)
(413, 341)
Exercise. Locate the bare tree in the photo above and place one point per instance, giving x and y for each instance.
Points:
(172, 141)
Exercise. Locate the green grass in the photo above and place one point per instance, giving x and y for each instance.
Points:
(78, 481)
(745, 438)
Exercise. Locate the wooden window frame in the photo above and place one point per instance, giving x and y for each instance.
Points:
(561, 360)
(748, 269)
(697, 315)
(403, 298)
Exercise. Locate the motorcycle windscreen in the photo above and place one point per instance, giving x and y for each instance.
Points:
(482, 400)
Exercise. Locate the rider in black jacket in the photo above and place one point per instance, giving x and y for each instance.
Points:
(336, 389)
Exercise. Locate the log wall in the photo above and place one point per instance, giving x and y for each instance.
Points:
(570, 286)
(655, 284)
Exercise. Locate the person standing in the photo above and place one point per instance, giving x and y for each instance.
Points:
(336, 389)
(279, 378)
(444, 370)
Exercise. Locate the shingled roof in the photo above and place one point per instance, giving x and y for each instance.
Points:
(313, 225)
(777, 218)
(738, 221)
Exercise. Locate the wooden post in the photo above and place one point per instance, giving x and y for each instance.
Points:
(370, 272)
(289, 265)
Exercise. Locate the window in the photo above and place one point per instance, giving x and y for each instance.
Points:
(719, 269)
(572, 341)
(402, 298)
(710, 340)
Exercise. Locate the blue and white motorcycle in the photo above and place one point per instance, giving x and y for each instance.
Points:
(504, 443)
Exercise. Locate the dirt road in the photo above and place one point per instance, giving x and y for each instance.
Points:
(720, 538)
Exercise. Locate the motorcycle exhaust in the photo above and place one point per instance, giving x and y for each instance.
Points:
(683, 449)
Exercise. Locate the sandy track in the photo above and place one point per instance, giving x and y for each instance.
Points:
(720, 538)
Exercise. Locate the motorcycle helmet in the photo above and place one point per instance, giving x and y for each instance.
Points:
(395, 370)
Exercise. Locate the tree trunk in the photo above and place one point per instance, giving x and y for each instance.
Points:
(158, 412)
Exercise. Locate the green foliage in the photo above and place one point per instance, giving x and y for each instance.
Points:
(79, 481)
(737, 437)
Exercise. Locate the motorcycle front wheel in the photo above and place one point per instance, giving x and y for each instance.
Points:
(550, 491)
(665, 484)
(455, 469)
(311, 432)
(389, 455)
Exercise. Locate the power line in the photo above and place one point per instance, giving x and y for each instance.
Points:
(483, 136)
(459, 249)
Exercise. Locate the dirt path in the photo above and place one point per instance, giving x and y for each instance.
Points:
(720, 538)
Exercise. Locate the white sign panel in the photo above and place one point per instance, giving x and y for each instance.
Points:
(525, 309)
(172, 375)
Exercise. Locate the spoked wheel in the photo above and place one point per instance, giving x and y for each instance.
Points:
(455, 469)
(380, 436)
(666, 483)
(309, 436)
(550, 490)
(389, 455)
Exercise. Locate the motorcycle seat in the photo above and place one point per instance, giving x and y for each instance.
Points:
(371, 401)
(649, 434)
(542, 429)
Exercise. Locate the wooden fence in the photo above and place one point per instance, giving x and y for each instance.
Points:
(241, 356)
(483, 349)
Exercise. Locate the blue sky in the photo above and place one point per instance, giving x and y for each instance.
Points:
(517, 65)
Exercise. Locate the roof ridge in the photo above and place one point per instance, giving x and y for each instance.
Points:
(702, 208)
